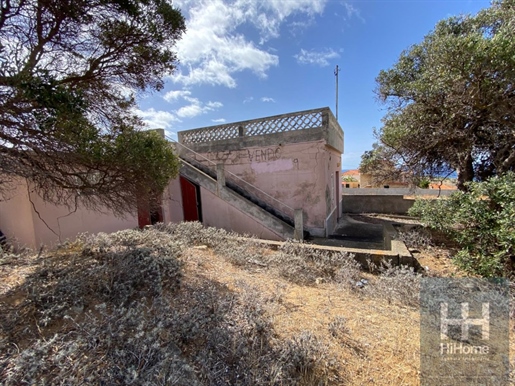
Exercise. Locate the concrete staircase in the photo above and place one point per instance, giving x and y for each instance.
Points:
(214, 181)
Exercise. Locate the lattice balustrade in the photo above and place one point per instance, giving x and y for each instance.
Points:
(216, 133)
(271, 125)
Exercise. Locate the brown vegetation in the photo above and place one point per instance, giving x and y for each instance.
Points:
(187, 305)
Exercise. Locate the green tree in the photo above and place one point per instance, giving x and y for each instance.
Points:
(69, 73)
(451, 98)
(480, 221)
(381, 164)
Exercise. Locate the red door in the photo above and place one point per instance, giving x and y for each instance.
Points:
(146, 216)
(143, 213)
(190, 200)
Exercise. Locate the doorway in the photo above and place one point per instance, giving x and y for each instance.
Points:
(191, 206)
(148, 214)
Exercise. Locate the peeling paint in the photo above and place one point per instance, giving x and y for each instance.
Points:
(307, 191)
(272, 167)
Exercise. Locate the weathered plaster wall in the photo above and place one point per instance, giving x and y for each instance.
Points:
(300, 175)
(173, 208)
(218, 213)
(66, 225)
(16, 217)
(333, 162)
(387, 204)
(292, 158)
(24, 227)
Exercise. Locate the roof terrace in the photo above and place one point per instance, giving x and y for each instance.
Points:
(302, 126)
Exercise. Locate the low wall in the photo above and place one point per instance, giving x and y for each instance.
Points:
(395, 192)
(387, 201)
(376, 204)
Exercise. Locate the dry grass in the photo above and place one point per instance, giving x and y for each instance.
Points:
(372, 342)
(186, 305)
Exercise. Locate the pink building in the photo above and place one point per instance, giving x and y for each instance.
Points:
(276, 178)
(264, 177)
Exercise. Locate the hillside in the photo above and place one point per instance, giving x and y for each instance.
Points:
(185, 305)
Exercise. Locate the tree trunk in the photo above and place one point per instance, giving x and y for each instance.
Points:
(465, 172)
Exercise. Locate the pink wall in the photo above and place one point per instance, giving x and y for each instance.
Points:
(218, 213)
(172, 203)
(333, 195)
(24, 227)
(16, 217)
(298, 175)
(67, 225)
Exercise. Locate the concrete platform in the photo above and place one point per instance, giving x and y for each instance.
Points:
(352, 233)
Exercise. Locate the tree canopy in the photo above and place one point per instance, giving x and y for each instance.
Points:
(69, 72)
(451, 98)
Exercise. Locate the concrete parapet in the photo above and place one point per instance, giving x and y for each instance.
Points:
(302, 126)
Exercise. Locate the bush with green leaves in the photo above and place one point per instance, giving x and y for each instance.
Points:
(481, 221)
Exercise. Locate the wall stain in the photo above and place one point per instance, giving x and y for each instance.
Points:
(306, 189)
(328, 200)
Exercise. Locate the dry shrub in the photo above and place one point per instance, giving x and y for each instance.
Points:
(303, 265)
(95, 314)
(306, 359)
(418, 238)
(110, 345)
(114, 309)
(399, 285)
(338, 327)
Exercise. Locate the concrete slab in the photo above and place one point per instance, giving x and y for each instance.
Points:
(399, 255)
(352, 233)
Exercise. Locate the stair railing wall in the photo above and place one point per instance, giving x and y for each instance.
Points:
(235, 182)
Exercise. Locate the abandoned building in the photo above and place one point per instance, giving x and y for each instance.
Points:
(276, 178)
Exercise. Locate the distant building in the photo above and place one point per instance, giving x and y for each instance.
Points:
(351, 179)
(354, 179)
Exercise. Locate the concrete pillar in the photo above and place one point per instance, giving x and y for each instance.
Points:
(220, 178)
(298, 233)
(160, 132)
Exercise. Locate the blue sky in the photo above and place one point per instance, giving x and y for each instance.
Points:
(245, 59)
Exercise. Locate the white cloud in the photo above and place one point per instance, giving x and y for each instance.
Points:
(157, 119)
(248, 100)
(219, 120)
(172, 96)
(319, 58)
(212, 51)
(197, 108)
(267, 99)
(297, 27)
(189, 111)
(214, 105)
(352, 11)
(272, 13)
